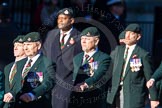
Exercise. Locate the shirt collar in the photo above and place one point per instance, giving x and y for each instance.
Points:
(68, 32)
(131, 47)
(34, 58)
(90, 53)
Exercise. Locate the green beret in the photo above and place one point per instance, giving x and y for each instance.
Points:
(32, 37)
(122, 35)
(66, 11)
(90, 32)
(19, 39)
(134, 28)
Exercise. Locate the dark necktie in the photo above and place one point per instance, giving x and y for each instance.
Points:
(62, 43)
(27, 68)
(12, 74)
(125, 59)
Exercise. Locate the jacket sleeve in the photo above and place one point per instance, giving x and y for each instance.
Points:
(148, 71)
(158, 73)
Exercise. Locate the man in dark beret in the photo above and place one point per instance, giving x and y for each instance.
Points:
(10, 71)
(131, 69)
(89, 68)
(35, 76)
(61, 45)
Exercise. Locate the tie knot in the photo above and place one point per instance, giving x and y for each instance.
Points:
(63, 34)
(86, 56)
(29, 63)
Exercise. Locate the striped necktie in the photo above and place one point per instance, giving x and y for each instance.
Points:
(12, 74)
(27, 68)
(62, 43)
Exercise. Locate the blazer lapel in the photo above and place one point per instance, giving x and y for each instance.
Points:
(56, 46)
(7, 74)
(20, 66)
(121, 61)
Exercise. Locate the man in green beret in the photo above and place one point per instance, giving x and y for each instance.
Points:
(35, 75)
(131, 69)
(61, 45)
(89, 68)
(10, 71)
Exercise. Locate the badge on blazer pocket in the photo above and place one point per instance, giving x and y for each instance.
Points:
(135, 64)
(34, 79)
(40, 74)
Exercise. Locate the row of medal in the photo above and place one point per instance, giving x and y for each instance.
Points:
(135, 64)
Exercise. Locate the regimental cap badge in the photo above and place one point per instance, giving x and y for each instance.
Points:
(88, 34)
(29, 39)
(66, 12)
(20, 40)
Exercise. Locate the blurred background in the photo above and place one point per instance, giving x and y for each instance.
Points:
(23, 16)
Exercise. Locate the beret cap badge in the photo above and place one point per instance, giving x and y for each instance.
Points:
(29, 39)
(66, 12)
(88, 34)
(20, 40)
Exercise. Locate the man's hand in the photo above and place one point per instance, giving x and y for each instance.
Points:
(150, 83)
(8, 97)
(80, 87)
(26, 97)
(154, 104)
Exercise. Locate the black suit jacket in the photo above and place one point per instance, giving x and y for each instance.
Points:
(62, 58)
(64, 64)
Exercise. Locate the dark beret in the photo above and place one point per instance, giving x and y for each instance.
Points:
(134, 28)
(90, 32)
(32, 37)
(19, 39)
(66, 11)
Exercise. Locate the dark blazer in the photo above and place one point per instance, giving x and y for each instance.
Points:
(13, 88)
(43, 90)
(96, 83)
(134, 83)
(64, 64)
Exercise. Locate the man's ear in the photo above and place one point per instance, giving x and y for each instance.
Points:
(39, 45)
(139, 36)
(97, 41)
(72, 20)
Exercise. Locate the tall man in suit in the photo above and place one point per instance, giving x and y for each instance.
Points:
(35, 76)
(132, 68)
(61, 45)
(10, 71)
(89, 68)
